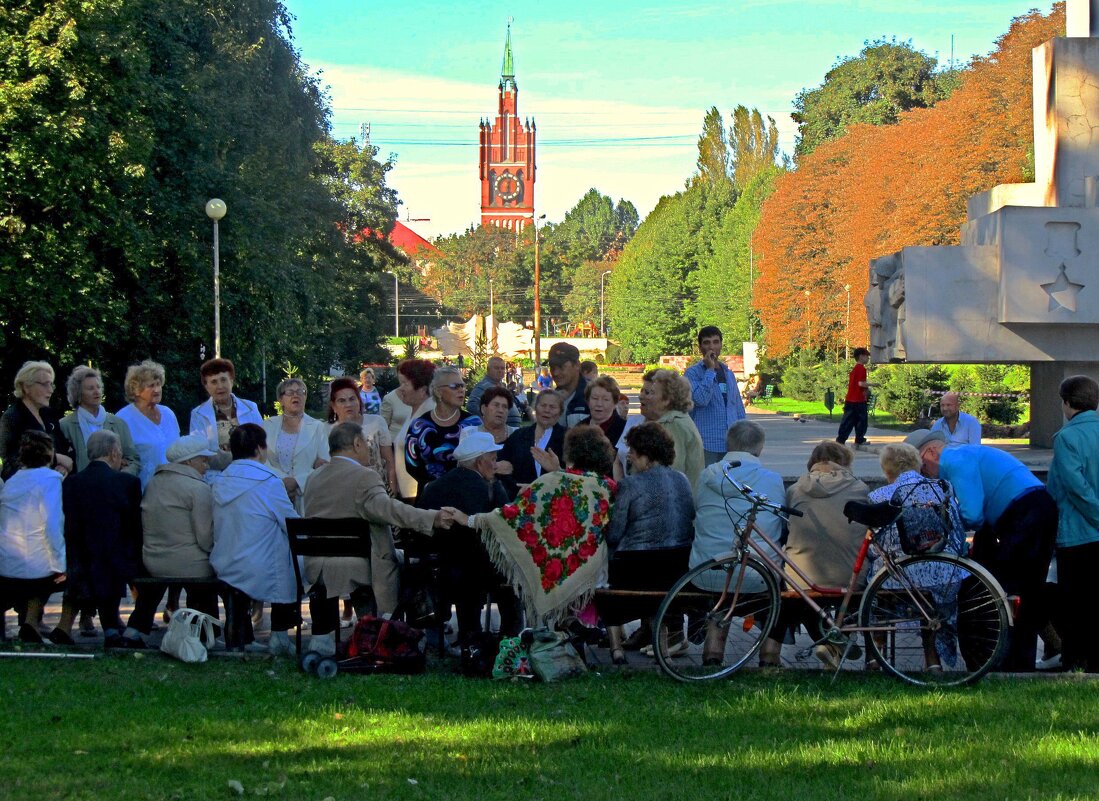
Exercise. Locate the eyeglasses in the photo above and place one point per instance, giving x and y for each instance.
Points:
(453, 386)
(48, 384)
(300, 393)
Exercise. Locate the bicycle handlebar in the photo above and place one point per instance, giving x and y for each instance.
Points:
(757, 500)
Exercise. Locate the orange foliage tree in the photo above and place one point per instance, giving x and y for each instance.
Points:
(877, 189)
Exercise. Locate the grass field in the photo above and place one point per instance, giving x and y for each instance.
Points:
(142, 727)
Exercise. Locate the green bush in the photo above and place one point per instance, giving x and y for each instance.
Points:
(809, 382)
(905, 390)
(972, 380)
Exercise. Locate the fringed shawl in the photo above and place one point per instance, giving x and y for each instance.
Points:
(549, 543)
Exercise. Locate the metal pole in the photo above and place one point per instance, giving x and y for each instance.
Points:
(396, 305)
(217, 296)
(602, 304)
(491, 300)
(537, 301)
(847, 327)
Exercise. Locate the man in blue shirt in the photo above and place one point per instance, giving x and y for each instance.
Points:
(1015, 520)
(717, 403)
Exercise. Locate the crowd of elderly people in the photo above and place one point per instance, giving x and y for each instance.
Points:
(585, 496)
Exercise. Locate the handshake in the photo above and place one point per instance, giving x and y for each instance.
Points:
(449, 516)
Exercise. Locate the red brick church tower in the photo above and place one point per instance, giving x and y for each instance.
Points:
(507, 157)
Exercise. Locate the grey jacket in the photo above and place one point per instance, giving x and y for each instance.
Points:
(177, 518)
(652, 510)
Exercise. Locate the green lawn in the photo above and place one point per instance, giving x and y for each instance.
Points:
(143, 727)
(818, 411)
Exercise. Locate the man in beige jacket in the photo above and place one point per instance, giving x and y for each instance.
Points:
(346, 487)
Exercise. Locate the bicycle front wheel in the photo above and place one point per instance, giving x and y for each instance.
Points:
(715, 618)
(936, 620)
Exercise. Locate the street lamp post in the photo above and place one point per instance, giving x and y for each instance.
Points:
(491, 299)
(808, 321)
(537, 295)
(602, 304)
(215, 210)
(847, 326)
(396, 304)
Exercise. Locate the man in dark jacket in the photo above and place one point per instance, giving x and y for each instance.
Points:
(468, 575)
(102, 536)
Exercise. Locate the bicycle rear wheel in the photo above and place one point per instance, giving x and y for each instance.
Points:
(939, 620)
(700, 633)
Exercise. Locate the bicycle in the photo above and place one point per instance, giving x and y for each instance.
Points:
(913, 608)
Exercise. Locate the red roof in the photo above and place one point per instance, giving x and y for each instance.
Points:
(405, 240)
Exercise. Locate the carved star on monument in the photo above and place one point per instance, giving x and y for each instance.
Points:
(1062, 292)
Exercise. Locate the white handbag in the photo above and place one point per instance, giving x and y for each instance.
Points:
(185, 635)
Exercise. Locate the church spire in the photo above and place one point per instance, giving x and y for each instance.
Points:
(507, 69)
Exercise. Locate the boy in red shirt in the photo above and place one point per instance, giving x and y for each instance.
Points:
(854, 404)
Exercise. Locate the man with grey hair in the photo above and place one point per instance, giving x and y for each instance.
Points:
(468, 575)
(347, 487)
(958, 427)
(495, 370)
(103, 538)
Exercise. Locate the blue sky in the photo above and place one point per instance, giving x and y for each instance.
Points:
(618, 90)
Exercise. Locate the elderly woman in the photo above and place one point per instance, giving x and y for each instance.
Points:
(666, 399)
(823, 542)
(251, 550)
(371, 398)
(32, 534)
(153, 427)
(496, 403)
(652, 525)
(432, 437)
(414, 391)
(177, 517)
(85, 391)
(901, 464)
(533, 450)
(217, 417)
(550, 542)
(345, 406)
(299, 443)
(31, 412)
(603, 397)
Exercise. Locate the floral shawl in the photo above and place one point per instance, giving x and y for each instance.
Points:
(549, 543)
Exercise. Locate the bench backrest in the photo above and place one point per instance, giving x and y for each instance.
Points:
(318, 536)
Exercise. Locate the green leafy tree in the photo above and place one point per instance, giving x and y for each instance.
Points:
(885, 79)
(754, 145)
(713, 150)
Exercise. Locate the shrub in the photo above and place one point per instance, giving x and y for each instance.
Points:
(973, 380)
(905, 390)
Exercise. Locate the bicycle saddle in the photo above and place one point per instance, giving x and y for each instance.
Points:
(872, 515)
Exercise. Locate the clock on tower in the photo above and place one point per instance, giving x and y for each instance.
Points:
(507, 157)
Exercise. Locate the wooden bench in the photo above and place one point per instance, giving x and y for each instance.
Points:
(224, 591)
(320, 537)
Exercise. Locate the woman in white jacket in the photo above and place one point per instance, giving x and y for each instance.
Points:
(297, 443)
(251, 550)
(32, 534)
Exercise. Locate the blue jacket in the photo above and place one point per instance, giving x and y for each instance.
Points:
(1074, 480)
(986, 481)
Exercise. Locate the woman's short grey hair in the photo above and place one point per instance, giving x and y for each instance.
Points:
(675, 389)
(102, 443)
(746, 437)
(444, 375)
(27, 373)
(140, 375)
(897, 458)
(76, 381)
(286, 383)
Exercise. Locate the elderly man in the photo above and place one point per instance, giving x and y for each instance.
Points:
(717, 503)
(958, 427)
(343, 488)
(564, 365)
(717, 402)
(468, 575)
(102, 537)
(1015, 519)
(495, 371)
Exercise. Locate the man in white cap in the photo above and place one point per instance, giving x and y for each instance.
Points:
(343, 488)
(468, 575)
(1015, 520)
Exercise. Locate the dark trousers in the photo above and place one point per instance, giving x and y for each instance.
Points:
(1017, 549)
(1076, 569)
(283, 618)
(15, 592)
(325, 611)
(199, 597)
(855, 418)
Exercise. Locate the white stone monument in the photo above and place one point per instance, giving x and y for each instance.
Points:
(1023, 286)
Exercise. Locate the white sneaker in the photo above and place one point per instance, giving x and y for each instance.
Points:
(280, 644)
(1049, 663)
(323, 644)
